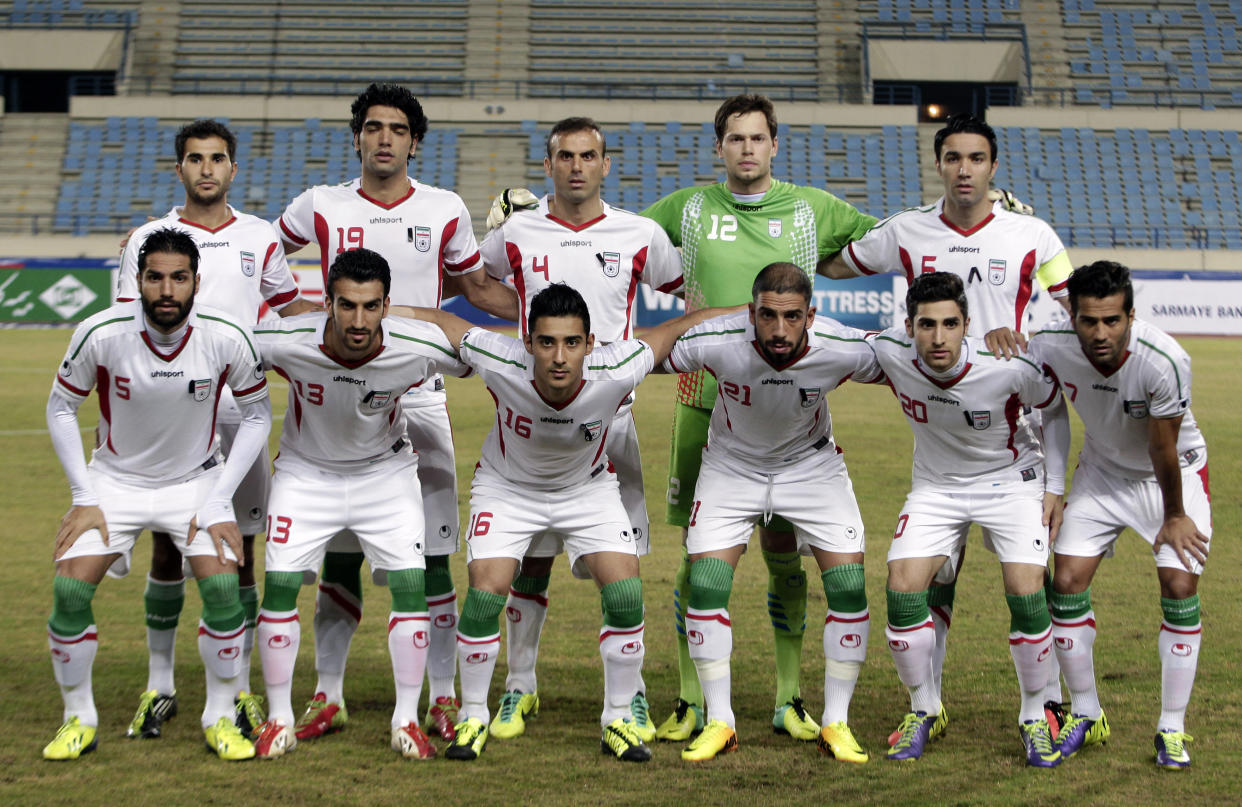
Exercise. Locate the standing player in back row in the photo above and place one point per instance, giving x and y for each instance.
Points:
(425, 235)
(603, 253)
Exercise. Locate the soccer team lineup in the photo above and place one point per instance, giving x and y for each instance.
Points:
(366, 470)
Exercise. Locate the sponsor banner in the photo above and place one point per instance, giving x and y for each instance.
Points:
(53, 291)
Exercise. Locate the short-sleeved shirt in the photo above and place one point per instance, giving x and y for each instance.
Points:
(542, 445)
(241, 264)
(605, 259)
(969, 433)
(998, 260)
(725, 243)
(157, 406)
(1152, 381)
(345, 417)
(767, 416)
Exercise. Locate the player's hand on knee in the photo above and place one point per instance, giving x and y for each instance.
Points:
(1181, 533)
(222, 534)
(1005, 342)
(1010, 202)
(1054, 511)
(507, 203)
(78, 520)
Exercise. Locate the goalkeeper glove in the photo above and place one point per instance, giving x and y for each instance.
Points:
(509, 200)
(1008, 201)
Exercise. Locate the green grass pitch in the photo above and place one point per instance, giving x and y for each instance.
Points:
(558, 760)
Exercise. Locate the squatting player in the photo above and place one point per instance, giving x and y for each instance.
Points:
(975, 460)
(346, 463)
(1143, 465)
(158, 364)
(574, 237)
(241, 266)
(425, 235)
(770, 452)
(543, 470)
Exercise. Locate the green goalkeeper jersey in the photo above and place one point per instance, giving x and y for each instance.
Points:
(724, 243)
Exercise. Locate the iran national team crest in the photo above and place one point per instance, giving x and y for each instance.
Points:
(774, 228)
(978, 420)
(810, 396)
(247, 264)
(422, 239)
(378, 399)
(996, 272)
(591, 430)
(611, 263)
(200, 389)
(1136, 409)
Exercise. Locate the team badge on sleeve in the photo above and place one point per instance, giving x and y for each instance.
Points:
(810, 396)
(774, 228)
(1135, 409)
(996, 272)
(200, 389)
(247, 264)
(611, 263)
(591, 430)
(422, 239)
(978, 420)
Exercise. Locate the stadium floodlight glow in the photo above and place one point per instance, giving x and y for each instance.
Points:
(934, 111)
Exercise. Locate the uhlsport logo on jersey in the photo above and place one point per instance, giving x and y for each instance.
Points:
(978, 420)
(591, 430)
(421, 639)
(774, 228)
(630, 648)
(1135, 409)
(422, 239)
(610, 262)
(378, 399)
(279, 641)
(247, 264)
(996, 272)
(200, 389)
(851, 640)
(810, 396)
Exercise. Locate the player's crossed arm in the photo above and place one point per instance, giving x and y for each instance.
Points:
(454, 327)
(662, 337)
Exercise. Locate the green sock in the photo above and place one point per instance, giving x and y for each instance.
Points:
(942, 596)
(524, 584)
(787, 610)
(907, 608)
(1182, 613)
(249, 596)
(622, 603)
(480, 616)
(163, 601)
(689, 691)
(345, 570)
(222, 610)
(280, 591)
(1028, 613)
(71, 606)
(1069, 606)
(437, 579)
(711, 583)
(845, 588)
(408, 594)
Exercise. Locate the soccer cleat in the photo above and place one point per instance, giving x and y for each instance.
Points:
(792, 719)
(1056, 714)
(321, 718)
(72, 740)
(837, 741)
(1171, 753)
(620, 738)
(913, 735)
(248, 713)
(641, 712)
(515, 707)
(153, 710)
(272, 739)
(410, 741)
(685, 722)
(938, 728)
(1078, 732)
(442, 716)
(227, 741)
(470, 737)
(715, 738)
(1041, 751)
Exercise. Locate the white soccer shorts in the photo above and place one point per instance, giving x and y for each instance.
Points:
(129, 509)
(815, 495)
(588, 518)
(936, 522)
(1100, 505)
(380, 511)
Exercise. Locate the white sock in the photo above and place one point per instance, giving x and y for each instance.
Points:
(912, 650)
(279, 635)
(1179, 656)
(337, 613)
(476, 657)
(1074, 640)
(710, 636)
(845, 650)
(72, 659)
(525, 614)
(942, 619)
(442, 654)
(622, 650)
(221, 655)
(408, 638)
(1030, 660)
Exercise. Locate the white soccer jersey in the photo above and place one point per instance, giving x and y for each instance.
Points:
(346, 416)
(604, 260)
(767, 416)
(969, 435)
(157, 410)
(422, 235)
(998, 260)
(241, 264)
(551, 446)
(1152, 381)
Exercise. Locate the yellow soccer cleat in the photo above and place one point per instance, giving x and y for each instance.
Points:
(685, 722)
(716, 738)
(791, 718)
(837, 741)
(71, 741)
(226, 740)
(515, 707)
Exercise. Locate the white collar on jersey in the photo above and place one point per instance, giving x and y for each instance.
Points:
(748, 198)
(951, 373)
(161, 339)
